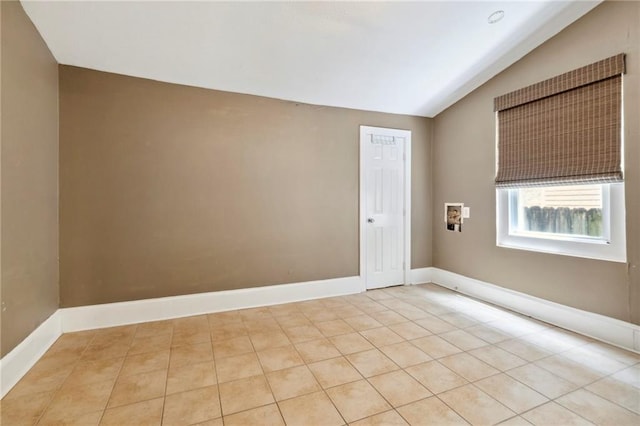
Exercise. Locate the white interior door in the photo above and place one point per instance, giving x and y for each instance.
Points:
(384, 205)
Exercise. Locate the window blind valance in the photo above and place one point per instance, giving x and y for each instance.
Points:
(564, 130)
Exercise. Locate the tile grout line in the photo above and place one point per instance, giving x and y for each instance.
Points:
(58, 389)
(166, 380)
(266, 379)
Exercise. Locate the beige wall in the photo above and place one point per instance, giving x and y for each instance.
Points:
(168, 190)
(464, 166)
(29, 98)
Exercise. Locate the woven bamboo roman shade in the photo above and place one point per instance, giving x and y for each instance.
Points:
(565, 130)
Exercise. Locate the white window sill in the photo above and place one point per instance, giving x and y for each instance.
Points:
(589, 250)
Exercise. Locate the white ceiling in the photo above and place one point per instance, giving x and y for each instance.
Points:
(409, 58)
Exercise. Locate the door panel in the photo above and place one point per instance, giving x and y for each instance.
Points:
(384, 192)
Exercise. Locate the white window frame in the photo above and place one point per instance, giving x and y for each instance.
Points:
(612, 247)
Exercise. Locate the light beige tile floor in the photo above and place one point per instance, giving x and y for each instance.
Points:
(404, 355)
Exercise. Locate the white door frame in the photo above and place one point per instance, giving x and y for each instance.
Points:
(406, 134)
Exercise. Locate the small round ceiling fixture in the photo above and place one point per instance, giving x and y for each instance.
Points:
(495, 16)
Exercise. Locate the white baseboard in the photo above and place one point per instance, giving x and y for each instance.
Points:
(113, 314)
(421, 275)
(16, 363)
(600, 327)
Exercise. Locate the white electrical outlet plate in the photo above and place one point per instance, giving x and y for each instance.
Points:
(466, 212)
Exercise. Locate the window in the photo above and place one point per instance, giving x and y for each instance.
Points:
(559, 177)
(564, 220)
(560, 211)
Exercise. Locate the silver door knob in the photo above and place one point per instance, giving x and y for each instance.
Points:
(371, 220)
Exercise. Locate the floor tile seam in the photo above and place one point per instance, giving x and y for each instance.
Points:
(265, 330)
(590, 368)
(57, 390)
(335, 386)
(490, 396)
(600, 377)
(226, 323)
(219, 358)
(279, 317)
(166, 386)
(106, 404)
(364, 350)
(128, 340)
(324, 391)
(195, 388)
(302, 394)
(85, 346)
(345, 317)
(154, 370)
(607, 398)
(290, 344)
(451, 408)
(497, 347)
(266, 379)
(537, 332)
(575, 388)
(562, 406)
(242, 378)
(264, 374)
(483, 378)
(411, 342)
(635, 362)
(564, 351)
(414, 323)
(523, 341)
(469, 352)
(107, 407)
(462, 351)
(596, 395)
(523, 383)
(94, 381)
(551, 401)
(214, 341)
(41, 415)
(385, 398)
(336, 407)
(131, 403)
(340, 355)
(164, 402)
(376, 328)
(460, 375)
(466, 382)
(189, 343)
(433, 395)
(387, 411)
(610, 376)
(213, 324)
(383, 354)
(547, 399)
(513, 418)
(222, 416)
(450, 389)
(148, 351)
(366, 329)
(335, 335)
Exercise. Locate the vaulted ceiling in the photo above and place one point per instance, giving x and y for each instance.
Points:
(409, 58)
